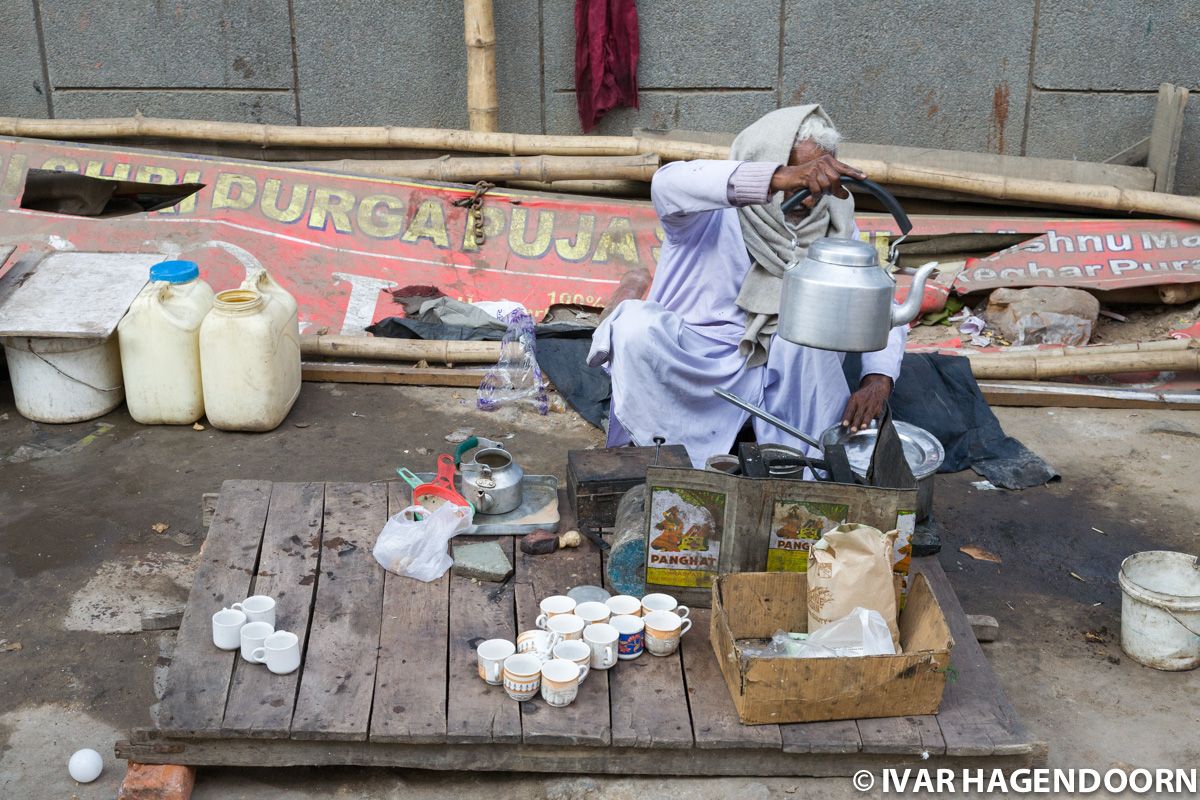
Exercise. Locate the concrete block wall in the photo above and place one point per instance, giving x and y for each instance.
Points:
(1055, 78)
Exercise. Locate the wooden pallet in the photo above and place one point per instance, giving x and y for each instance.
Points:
(389, 670)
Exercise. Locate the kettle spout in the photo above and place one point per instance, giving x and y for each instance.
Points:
(907, 311)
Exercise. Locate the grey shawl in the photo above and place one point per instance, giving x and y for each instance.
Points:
(772, 243)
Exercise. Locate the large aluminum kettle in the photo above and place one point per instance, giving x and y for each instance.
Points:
(838, 297)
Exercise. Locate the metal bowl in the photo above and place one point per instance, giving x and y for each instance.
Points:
(922, 450)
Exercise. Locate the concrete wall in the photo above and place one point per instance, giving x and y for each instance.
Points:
(1056, 78)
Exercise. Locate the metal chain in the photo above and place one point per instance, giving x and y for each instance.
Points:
(474, 206)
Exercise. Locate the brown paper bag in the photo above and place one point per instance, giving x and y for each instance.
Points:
(851, 566)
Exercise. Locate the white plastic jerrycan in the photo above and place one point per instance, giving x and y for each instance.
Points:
(159, 339)
(250, 356)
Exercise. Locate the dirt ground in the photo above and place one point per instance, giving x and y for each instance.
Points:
(80, 559)
(1133, 323)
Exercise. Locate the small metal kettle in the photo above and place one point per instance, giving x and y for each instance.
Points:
(492, 479)
(838, 297)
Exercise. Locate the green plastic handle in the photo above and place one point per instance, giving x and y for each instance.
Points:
(469, 444)
(407, 475)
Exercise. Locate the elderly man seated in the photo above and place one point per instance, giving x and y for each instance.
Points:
(710, 318)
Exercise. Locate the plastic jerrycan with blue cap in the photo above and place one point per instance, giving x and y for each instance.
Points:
(159, 338)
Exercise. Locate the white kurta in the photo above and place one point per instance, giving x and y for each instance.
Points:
(667, 353)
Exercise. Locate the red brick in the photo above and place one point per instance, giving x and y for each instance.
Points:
(157, 782)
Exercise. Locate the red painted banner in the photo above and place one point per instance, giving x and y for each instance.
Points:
(339, 242)
(1100, 255)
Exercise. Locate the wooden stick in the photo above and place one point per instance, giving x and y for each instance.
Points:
(380, 348)
(395, 374)
(1108, 198)
(1072, 395)
(483, 105)
(540, 169)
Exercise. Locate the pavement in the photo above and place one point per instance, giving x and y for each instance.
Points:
(83, 552)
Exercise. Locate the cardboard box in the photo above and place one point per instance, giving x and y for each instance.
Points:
(754, 605)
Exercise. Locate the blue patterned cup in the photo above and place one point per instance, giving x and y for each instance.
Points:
(631, 636)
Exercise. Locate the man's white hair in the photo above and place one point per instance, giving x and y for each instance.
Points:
(823, 134)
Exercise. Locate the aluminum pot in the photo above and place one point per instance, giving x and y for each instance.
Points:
(492, 481)
(922, 450)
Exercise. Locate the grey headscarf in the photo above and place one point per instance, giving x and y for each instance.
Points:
(768, 239)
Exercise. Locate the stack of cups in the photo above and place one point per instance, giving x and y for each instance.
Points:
(250, 627)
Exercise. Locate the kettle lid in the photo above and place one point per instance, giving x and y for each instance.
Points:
(844, 252)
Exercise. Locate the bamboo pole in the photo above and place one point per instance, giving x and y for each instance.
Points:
(1038, 366)
(1106, 198)
(1022, 353)
(539, 169)
(512, 144)
(999, 187)
(435, 350)
(610, 188)
(483, 105)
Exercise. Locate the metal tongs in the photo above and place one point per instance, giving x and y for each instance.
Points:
(835, 464)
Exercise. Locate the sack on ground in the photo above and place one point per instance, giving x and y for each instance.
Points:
(850, 567)
(414, 543)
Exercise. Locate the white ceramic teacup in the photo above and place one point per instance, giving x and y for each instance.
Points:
(560, 681)
(567, 626)
(280, 652)
(592, 612)
(554, 606)
(630, 636)
(522, 676)
(253, 635)
(601, 639)
(538, 642)
(258, 608)
(625, 604)
(663, 629)
(663, 602)
(575, 650)
(227, 628)
(491, 655)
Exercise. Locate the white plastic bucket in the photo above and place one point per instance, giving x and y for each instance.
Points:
(1160, 609)
(64, 380)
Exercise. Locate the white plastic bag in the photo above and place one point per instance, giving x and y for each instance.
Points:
(416, 547)
(862, 632)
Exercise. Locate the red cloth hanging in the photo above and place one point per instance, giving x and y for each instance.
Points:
(606, 56)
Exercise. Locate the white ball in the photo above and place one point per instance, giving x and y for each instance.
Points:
(85, 766)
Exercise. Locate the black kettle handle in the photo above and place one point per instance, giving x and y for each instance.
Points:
(883, 195)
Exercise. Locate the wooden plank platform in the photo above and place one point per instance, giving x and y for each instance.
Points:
(389, 671)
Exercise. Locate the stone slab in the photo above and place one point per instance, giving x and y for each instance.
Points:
(484, 561)
(230, 106)
(682, 45)
(376, 63)
(22, 89)
(913, 75)
(201, 43)
(1117, 45)
(705, 111)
